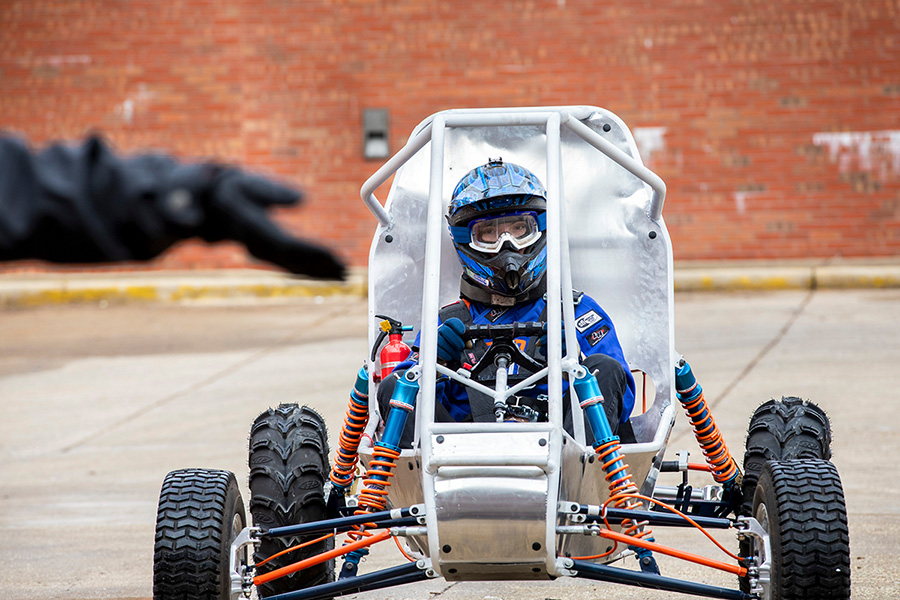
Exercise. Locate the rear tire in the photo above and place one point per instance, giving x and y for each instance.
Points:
(801, 505)
(200, 513)
(783, 429)
(288, 470)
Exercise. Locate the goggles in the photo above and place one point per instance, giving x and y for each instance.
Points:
(521, 229)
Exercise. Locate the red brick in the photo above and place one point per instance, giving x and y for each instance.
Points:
(741, 87)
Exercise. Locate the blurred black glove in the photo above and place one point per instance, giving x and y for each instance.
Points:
(78, 204)
(235, 205)
(450, 343)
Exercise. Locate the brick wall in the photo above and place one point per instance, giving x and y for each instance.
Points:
(776, 124)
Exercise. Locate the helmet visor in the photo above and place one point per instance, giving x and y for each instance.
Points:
(489, 234)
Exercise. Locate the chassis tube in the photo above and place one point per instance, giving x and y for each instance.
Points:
(340, 525)
(652, 581)
(398, 575)
(661, 518)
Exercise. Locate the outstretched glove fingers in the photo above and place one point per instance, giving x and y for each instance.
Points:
(450, 341)
(262, 191)
(232, 215)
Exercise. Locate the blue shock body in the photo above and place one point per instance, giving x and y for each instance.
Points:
(403, 401)
(591, 400)
(361, 387)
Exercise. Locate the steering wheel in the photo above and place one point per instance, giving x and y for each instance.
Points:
(503, 344)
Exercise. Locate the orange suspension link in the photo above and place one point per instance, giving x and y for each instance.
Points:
(694, 558)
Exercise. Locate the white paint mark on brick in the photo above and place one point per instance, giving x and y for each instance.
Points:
(740, 201)
(127, 107)
(126, 110)
(55, 61)
(876, 152)
(649, 140)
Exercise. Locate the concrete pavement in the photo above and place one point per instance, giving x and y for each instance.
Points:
(99, 403)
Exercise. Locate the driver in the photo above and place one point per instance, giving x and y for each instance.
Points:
(497, 221)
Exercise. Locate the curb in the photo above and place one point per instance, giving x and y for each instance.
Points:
(34, 290)
(799, 277)
(48, 289)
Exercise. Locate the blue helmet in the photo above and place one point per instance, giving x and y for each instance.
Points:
(497, 221)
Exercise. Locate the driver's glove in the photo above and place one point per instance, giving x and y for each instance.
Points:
(450, 342)
(541, 348)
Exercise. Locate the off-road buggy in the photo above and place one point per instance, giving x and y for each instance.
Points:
(519, 498)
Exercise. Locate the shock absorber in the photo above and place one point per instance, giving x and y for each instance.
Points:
(355, 421)
(609, 452)
(723, 467)
(373, 496)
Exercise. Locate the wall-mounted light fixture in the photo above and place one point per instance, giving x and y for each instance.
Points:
(375, 133)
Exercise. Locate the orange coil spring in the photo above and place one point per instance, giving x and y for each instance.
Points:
(373, 496)
(620, 485)
(348, 451)
(710, 439)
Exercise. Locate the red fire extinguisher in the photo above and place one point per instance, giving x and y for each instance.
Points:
(395, 351)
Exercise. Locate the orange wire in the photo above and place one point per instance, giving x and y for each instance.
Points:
(615, 537)
(658, 503)
(643, 389)
(297, 547)
(615, 544)
(680, 514)
(644, 392)
(402, 551)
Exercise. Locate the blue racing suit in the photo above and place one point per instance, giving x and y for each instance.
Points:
(596, 338)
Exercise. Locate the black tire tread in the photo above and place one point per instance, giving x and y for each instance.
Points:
(785, 429)
(193, 528)
(810, 536)
(288, 469)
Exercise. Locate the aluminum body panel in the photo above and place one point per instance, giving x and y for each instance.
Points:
(492, 519)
